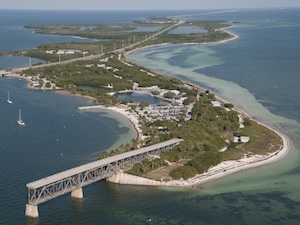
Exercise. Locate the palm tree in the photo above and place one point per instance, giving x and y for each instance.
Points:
(134, 143)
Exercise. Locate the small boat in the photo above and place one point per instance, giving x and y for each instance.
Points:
(20, 121)
(8, 99)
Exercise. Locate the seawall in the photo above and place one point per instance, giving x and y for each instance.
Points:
(124, 178)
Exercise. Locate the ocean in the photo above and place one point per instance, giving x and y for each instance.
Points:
(258, 72)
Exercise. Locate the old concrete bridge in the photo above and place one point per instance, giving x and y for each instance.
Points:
(74, 179)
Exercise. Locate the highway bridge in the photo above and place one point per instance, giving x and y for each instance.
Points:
(74, 179)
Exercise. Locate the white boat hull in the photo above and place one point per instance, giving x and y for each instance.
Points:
(21, 123)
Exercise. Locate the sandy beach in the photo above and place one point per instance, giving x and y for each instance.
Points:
(124, 111)
(132, 117)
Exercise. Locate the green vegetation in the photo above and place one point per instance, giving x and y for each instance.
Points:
(105, 32)
(121, 149)
(40, 54)
(169, 94)
(146, 166)
(204, 135)
(93, 81)
(198, 165)
(214, 34)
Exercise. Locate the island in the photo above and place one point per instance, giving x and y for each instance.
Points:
(218, 139)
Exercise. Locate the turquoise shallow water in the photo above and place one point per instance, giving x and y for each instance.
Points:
(254, 72)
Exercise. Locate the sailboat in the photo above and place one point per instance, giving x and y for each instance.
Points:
(8, 99)
(20, 121)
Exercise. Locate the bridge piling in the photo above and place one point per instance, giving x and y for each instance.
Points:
(32, 211)
(78, 193)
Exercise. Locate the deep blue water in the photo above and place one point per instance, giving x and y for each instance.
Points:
(58, 136)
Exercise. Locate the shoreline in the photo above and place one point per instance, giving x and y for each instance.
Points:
(223, 169)
(131, 118)
(121, 110)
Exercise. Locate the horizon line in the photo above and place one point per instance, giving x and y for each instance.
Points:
(274, 7)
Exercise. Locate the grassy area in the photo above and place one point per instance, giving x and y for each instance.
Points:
(162, 173)
(233, 154)
(263, 140)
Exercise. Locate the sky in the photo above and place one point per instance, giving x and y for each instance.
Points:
(144, 4)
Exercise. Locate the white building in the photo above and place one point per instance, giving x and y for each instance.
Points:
(243, 139)
(215, 103)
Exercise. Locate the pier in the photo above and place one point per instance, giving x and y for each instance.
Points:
(91, 107)
(73, 180)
